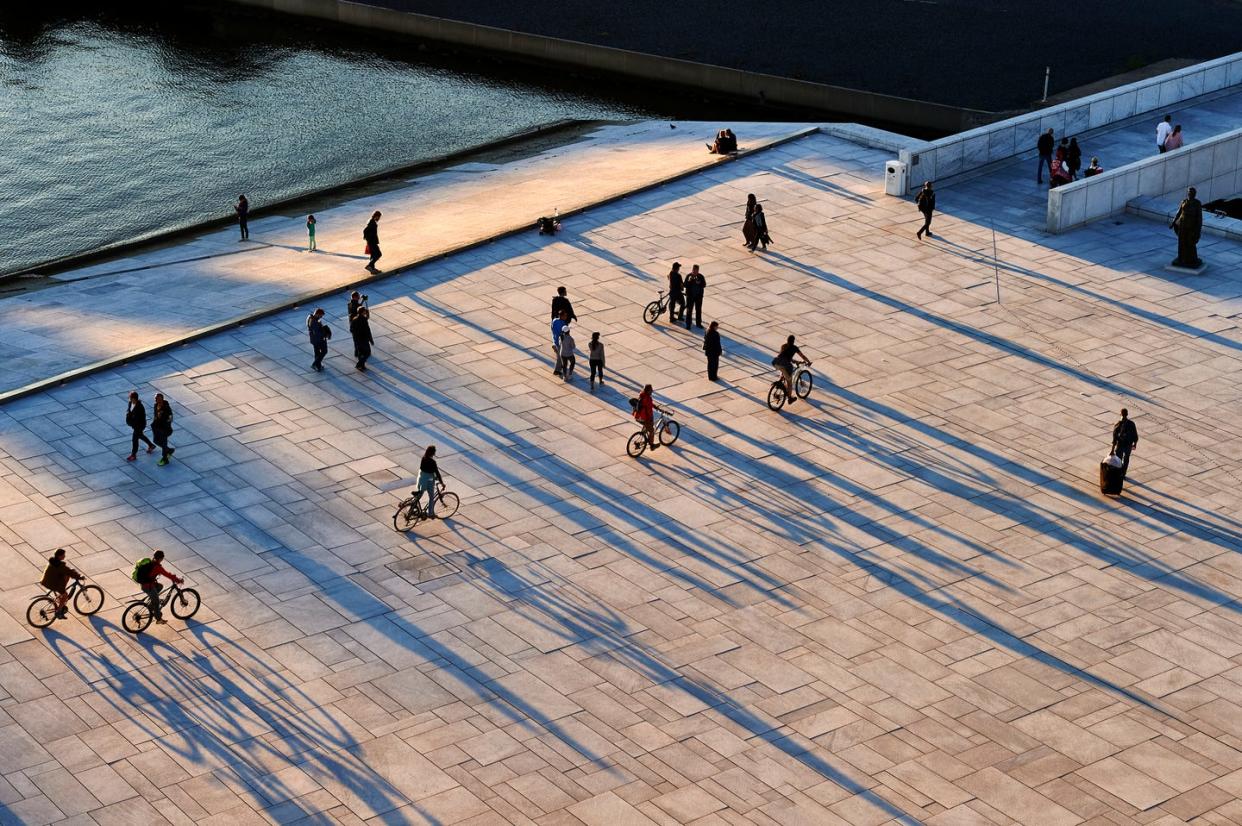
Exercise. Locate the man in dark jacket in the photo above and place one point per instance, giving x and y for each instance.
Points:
(560, 301)
(360, 329)
(1188, 224)
(1125, 439)
(1045, 145)
(162, 427)
(56, 579)
(243, 216)
(371, 234)
(926, 200)
(711, 346)
(136, 418)
(318, 333)
(695, 285)
(676, 293)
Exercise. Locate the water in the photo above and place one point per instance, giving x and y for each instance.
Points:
(118, 126)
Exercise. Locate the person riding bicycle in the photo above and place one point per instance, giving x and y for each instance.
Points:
(147, 576)
(428, 476)
(56, 578)
(644, 411)
(784, 362)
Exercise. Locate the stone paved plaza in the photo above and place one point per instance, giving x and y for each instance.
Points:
(903, 601)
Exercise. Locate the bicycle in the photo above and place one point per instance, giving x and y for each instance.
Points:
(656, 308)
(665, 428)
(410, 511)
(86, 599)
(138, 615)
(778, 394)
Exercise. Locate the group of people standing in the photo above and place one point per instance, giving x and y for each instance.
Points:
(359, 314)
(1062, 162)
(685, 295)
(564, 346)
(1168, 135)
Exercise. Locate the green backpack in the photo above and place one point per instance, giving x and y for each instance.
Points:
(142, 569)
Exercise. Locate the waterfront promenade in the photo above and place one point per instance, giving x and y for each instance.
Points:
(903, 601)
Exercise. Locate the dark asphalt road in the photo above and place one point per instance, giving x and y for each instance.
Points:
(981, 54)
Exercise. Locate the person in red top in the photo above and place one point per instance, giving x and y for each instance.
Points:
(149, 583)
(645, 413)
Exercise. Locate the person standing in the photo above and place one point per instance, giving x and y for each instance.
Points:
(561, 301)
(371, 234)
(711, 346)
(748, 226)
(1188, 224)
(428, 477)
(1174, 140)
(676, 293)
(243, 216)
(162, 427)
(568, 360)
(760, 221)
(310, 231)
(926, 201)
(356, 301)
(1073, 158)
(136, 418)
(695, 285)
(558, 328)
(595, 356)
(1045, 145)
(1125, 439)
(318, 332)
(1163, 129)
(360, 329)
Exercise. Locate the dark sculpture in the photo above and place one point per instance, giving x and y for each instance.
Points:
(1188, 224)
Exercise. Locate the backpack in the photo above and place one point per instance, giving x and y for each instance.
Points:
(142, 570)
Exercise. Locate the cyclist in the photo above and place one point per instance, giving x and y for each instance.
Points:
(428, 476)
(784, 362)
(147, 576)
(644, 411)
(56, 578)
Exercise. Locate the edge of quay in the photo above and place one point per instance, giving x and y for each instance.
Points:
(401, 268)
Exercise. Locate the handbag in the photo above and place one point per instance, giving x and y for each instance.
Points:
(367, 249)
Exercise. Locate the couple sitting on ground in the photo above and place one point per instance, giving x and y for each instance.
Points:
(725, 143)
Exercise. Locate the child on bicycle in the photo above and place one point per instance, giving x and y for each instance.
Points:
(428, 476)
(784, 362)
(56, 578)
(644, 411)
(148, 576)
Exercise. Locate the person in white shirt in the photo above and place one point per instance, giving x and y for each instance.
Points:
(1163, 129)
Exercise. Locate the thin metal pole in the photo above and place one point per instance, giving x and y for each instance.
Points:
(995, 263)
(1047, 73)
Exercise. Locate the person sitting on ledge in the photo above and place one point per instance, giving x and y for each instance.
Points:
(1094, 169)
(725, 143)
(548, 226)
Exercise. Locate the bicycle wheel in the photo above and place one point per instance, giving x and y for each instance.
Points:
(137, 617)
(669, 433)
(637, 444)
(652, 312)
(447, 504)
(88, 599)
(802, 384)
(776, 395)
(42, 612)
(185, 603)
(406, 517)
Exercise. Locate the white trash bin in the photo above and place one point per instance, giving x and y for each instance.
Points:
(895, 179)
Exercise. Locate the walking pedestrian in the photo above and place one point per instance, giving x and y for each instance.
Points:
(162, 427)
(1073, 158)
(748, 226)
(136, 418)
(1045, 145)
(711, 346)
(760, 220)
(243, 216)
(695, 285)
(319, 335)
(676, 293)
(371, 234)
(567, 353)
(1163, 129)
(595, 356)
(360, 329)
(310, 231)
(558, 328)
(1174, 141)
(561, 301)
(926, 201)
(1125, 439)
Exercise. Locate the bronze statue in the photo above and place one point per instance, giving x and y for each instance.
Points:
(1188, 224)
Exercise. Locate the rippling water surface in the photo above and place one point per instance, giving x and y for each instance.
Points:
(115, 126)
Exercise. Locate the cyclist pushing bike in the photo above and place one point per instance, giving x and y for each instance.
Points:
(428, 476)
(56, 578)
(146, 574)
(784, 362)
